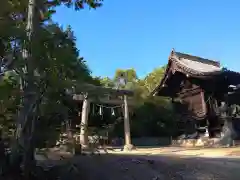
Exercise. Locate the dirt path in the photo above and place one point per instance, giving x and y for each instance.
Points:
(112, 167)
(155, 166)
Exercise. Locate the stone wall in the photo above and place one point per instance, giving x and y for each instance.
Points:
(201, 142)
(204, 142)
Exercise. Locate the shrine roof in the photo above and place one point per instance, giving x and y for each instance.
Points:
(193, 65)
(185, 65)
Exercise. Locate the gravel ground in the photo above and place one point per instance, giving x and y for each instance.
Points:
(139, 167)
(154, 165)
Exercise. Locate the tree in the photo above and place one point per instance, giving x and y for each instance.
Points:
(52, 60)
(154, 78)
(129, 74)
(107, 82)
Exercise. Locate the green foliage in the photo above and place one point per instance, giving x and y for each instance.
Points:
(154, 78)
(38, 66)
(107, 82)
(151, 116)
(129, 74)
(56, 61)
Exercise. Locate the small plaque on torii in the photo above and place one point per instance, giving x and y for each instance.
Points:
(121, 80)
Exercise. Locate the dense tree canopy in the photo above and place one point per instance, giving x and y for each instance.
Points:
(57, 61)
(38, 64)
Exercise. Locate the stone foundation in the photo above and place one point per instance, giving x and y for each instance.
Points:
(201, 142)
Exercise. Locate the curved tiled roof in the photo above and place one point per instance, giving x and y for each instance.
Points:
(196, 67)
(196, 58)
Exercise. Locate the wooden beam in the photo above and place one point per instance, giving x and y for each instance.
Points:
(80, 97)
(98, 90)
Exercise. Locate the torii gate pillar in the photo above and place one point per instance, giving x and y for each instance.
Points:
(84, 123)
(128, 145)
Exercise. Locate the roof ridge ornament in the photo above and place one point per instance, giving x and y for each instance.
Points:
(172, 53)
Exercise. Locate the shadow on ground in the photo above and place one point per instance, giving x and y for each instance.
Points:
(149, 167)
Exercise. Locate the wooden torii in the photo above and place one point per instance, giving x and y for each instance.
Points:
(89, 93)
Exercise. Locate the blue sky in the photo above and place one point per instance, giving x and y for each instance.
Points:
(135, 34)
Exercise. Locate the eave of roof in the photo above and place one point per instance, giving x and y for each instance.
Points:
(196, 58)
(193, 65)
(189, 65)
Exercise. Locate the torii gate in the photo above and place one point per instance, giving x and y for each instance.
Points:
(88, 93)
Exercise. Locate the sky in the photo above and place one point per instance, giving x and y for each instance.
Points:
(135, 34)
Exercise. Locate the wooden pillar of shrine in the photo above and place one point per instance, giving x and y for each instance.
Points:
(84, 123)
(128, 145)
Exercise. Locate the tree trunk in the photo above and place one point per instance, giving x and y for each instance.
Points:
(22, 151)
(22, 148)
(70, 140)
